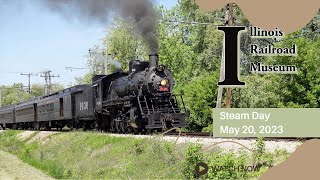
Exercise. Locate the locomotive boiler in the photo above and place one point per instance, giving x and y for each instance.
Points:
(144, 78)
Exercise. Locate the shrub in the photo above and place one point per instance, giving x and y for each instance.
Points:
(193, 156)
(227, 166)
(259, 150)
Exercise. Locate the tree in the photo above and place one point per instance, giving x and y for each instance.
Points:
(200, 97)
(204, 40)
(301, 89)
(174, 54)
(86, 79)
(124, 43)
(37, 90)
(312, 30)
(13, 94)
(261, 91)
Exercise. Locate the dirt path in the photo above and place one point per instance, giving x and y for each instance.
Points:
(13, 168)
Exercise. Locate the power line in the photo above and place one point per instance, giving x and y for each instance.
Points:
(76, 68)
(10, 72)
(194, 22)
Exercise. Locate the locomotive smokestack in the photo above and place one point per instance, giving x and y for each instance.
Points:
(153, 60)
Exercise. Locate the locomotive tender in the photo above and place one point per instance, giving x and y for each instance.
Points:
(133, 101)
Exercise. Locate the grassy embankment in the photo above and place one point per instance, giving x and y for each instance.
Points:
(80, 155)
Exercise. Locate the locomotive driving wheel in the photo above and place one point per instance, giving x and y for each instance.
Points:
(113, 126)
(128, 128)
(118, 127)
(122, 127)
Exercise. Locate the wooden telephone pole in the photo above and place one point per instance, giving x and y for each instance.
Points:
(228, 22)
(104, 56)
(29, 79)
(0, 97)
(47, 77)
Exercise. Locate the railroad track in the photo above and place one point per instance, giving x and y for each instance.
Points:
(196, 134)
(208, 134)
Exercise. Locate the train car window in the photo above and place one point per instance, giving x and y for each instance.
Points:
(26, 111)
(61, 107)
(96, 91)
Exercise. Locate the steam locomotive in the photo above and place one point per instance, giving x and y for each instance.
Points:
(134, 101)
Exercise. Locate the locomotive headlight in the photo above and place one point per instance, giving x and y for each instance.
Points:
(160, 68)
(164, 82)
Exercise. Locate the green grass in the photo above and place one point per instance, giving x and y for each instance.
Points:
(91, 155)
(87, 155)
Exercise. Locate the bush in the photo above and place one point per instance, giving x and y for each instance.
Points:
(259, 150)
(193, 156)
(260, 156)
(209, 128)
(227, 166)
(200, 97)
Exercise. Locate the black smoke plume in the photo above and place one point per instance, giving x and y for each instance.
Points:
(140, 11)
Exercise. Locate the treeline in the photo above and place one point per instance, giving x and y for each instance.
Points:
(193, 53)
(17, 93)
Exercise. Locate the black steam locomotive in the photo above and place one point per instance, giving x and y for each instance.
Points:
(133, 101)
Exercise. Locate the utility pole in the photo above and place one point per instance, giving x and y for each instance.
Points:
(0, 97)
(29, 81)
(104, 56)
(107, 58)
(228, 22)
(47, 77)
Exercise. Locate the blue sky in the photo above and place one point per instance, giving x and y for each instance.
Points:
(33, 39)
